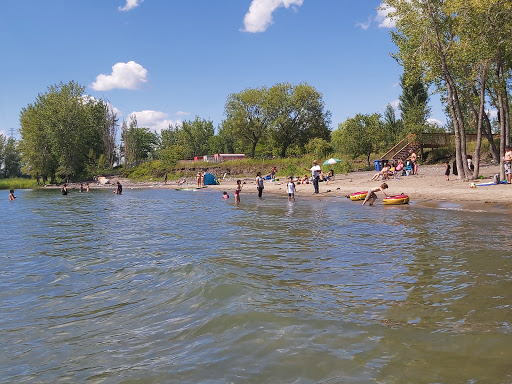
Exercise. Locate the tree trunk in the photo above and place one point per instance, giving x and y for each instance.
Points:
(481, 113)
(487, 130)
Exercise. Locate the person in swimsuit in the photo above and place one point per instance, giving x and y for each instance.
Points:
(507, 161)
(119, 189)
(237, 191)
(11, 195)
(371, 196)
(64, 189)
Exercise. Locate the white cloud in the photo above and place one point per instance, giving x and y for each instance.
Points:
(395, 103)
(130, 4)
(383, 16)
(128, 75)
(154, 120)
(365, 26)
(182, 113)
(492, 113)
(432, 121)
(259, 16)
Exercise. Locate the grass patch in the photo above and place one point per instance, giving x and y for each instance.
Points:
(18, 183)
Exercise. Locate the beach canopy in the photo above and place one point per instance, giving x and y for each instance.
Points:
(331, 161)
(209, 179)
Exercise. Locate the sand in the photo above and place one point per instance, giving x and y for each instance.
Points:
(428, 186)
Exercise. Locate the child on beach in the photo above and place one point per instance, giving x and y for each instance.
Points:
(237, 191)
(447, 171)
(11, 195)
(290, 187)
(225, 195)
(371, 196)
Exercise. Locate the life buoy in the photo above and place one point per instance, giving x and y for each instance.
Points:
(358, 196)
(396, 200)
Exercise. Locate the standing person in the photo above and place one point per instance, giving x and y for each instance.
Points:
(413, 157)
(507, 161)
(88, 189)
(81, 187)
(119, 189)
(371, 196)
(447, 171)
(198, 177)
(237, 191)
(290, 188)
(259, 184)
(64, 189)
(11, 195)
(315, 173)
(165, 178)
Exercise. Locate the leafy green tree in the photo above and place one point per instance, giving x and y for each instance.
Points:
(138, 143)
(11, 159)
(195, 136)
(414, 104)
(58, 132)
(361, 135)
(392, 126)
(297, 115)
(246, 117)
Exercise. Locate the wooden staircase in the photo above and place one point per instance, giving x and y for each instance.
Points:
(401, 150)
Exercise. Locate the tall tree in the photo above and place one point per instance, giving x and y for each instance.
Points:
(12, 159)
(59, 131)
(414, 104)
(138, 143)
(246, 117)
(297, 114)
(358, 136)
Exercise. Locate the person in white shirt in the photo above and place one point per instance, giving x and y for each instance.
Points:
(290, 188)
(259, 184)
(315, 173)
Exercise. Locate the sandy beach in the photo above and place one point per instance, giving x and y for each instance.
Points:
(429, 185)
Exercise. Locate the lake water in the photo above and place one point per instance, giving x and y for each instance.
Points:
(164, 286)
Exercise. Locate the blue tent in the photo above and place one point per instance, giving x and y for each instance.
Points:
(209, 179)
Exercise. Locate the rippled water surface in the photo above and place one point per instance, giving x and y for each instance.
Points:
(164, 286)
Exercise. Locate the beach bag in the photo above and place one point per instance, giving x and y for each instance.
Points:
(496, 178)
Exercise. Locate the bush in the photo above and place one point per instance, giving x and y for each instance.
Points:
(18, 183)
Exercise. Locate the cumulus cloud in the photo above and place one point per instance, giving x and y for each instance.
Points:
(259, 16)
(154, 120)
(128, 75)
(432, 121)
(130, 4)
(383, 18)
(492, 113)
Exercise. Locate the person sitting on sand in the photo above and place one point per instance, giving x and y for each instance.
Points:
(304, 179)
(371, 196)
(11, 195)
(384, 173)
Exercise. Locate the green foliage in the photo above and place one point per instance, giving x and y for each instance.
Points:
(59, 130)
(138, 143)
(319, 147)
(18, 183)
(274, 119)
(360, 135)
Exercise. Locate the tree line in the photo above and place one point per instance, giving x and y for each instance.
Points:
(463, 48)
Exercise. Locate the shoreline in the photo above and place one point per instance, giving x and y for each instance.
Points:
(429, 187)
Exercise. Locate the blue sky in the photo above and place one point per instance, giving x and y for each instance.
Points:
(171, 60)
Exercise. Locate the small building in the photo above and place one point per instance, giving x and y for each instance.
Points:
(220, 157)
